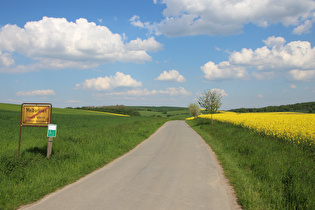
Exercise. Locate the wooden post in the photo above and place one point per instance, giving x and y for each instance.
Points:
(49, 146)
(19, 141)
(20, 131)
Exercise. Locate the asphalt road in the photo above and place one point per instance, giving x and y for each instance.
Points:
(173, 169)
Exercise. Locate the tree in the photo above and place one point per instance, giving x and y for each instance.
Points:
(194, 109)
(211, 101)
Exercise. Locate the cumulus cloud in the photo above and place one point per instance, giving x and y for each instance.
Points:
(217, 17)
(296, 59)
(55, 43)
(6, 59)
(304, 28)
(151, 27)
(150, 45)
(277, 55)
(171, 75)
(276, 42)
(109, 83)
(172, 91)
(36, 93)
(301, 75)
(223, 70)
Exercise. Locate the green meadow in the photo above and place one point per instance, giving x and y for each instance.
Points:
(173, 113)
(266, 172)
(85, 141)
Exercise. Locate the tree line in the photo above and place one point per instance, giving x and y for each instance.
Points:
(117, 109)
(308, 107)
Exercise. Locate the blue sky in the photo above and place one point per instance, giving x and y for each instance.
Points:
(157, 52)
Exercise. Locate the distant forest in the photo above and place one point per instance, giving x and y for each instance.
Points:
(118, 109)
(157, 108)
(129, 110)
(308, 107)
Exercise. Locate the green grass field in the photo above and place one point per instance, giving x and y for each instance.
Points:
(267, 173)
(85, 142)
(173, 113)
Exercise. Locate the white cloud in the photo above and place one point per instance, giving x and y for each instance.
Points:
(276, 42)
(6, 59)
(301, 75)
(152, 28)
(36, 93)
(296, 54)
(260, 96)
(55, 43)
(172, 91)
(217, 17)
(223, 70)
(150, 45)
(296, 57)
(135, 21)
(108, 83)
(171, 75)
(304, 28)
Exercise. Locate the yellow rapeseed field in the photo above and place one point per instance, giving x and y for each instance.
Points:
(122, 115)
(296, 127)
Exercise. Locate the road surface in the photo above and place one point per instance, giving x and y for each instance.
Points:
(173, 169)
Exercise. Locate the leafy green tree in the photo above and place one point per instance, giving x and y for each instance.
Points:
(211, 101)
(194, 109)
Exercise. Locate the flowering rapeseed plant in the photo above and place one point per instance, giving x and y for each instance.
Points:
(296, 127)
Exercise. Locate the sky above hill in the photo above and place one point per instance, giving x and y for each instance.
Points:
(157, 52)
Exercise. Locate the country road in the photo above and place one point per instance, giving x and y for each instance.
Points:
(173, 169)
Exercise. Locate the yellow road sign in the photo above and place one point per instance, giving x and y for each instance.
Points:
(36, 114)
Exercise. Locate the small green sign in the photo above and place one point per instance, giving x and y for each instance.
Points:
(52, 130)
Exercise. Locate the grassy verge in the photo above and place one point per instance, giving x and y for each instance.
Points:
(266, 173)
(85, 142)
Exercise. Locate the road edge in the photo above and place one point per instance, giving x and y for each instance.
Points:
(223, 180)
(26, 206)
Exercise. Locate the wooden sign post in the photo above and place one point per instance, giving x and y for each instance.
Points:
(34, 115)
(51, 133)
(49, 147)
